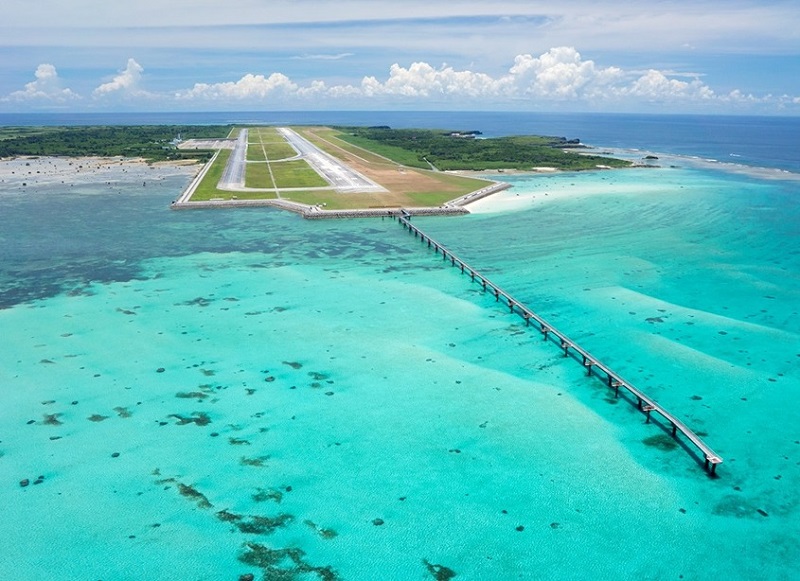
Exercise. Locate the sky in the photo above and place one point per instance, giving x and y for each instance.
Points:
(659, 56)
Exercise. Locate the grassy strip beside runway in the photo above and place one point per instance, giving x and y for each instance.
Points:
(277, 150)
(333, 200)
(296, 174)
(258, 176)
(207, 189)
(255, 153)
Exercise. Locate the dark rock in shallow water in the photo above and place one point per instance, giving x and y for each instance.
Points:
(264, 494)
(198, 418)
(287, 563)
(51, 420)
(24, 482)
(377, 522)
(263, 525)
(191, 395)
(439, 572)
(326, 534)
(192, 493)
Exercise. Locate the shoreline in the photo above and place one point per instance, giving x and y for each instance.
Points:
(20, 173)
(17, 174)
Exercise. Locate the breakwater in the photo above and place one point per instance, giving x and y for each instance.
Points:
(316, 212)
(652, 410)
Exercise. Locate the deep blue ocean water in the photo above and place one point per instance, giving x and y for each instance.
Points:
(755, 141)
(200, 395)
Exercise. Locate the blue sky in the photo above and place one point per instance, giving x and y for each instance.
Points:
(670, 56)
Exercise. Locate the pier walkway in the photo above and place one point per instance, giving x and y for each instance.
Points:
(592, 364)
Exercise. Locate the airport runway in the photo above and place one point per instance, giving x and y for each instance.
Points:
(233, 176)
(336, 173)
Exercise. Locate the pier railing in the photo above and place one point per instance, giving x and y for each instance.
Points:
(593, 365)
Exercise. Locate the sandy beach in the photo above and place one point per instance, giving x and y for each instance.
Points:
(533, 189)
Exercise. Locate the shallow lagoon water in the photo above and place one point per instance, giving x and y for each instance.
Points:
(202, 390)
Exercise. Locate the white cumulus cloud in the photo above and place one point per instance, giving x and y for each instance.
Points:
(422, 80)
(560, 77)
(656, 86)
(46, 87)
(561, 73)
(249, 87)
(125, 83)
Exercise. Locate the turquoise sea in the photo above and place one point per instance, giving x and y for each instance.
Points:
(212, 394)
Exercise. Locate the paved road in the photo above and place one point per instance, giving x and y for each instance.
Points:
(340, 176)
(233, 176)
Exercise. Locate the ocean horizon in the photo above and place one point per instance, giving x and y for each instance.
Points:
(215, 394)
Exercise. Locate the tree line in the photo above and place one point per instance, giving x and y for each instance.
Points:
(152, 142)
(461, 150)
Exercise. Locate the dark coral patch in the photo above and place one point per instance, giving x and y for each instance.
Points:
(439, 572)
(197, 418)
(661, 441)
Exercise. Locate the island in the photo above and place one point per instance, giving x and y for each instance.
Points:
(321, 172)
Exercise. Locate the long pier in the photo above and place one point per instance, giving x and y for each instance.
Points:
(593, 365)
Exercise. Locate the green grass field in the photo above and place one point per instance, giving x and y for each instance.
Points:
(296, 174)
(278, 150)
(330, 199)
(264, 133)
(208, 187)
(257, 176)
(396, 154)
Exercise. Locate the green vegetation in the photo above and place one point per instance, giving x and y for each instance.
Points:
(255, 152)
(447, 150)
(257, 176)
(277, 150)
(296, 174)
(331, 199)
(259, 134)
(152, 142)
(207, 189)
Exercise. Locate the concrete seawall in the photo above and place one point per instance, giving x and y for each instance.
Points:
(479, 194)
(315, 212)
